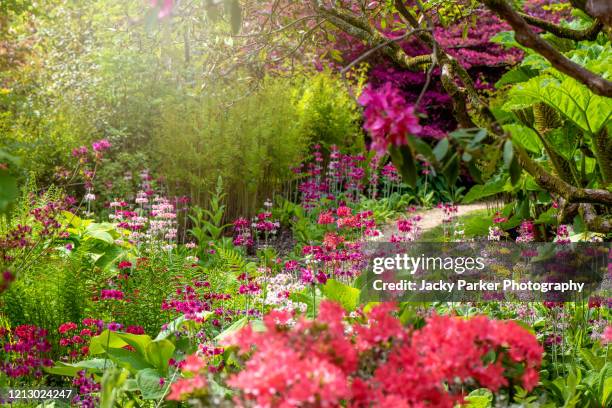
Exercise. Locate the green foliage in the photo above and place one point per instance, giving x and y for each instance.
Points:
(328, 114)
(248, 137)
(208, 223)
(145, 365)
(388, 208)
(8, 180)
(478, 192)
(572, 99)
(339, 292)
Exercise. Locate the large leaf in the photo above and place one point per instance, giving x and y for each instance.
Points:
(149, 383)
(130, 360)
(481, 191)
(337, 291)
(233, 328)
(564, 140)
(451, 169)
(96, 365)
(573, 100)
(158, 353)
(518, 74)
(508, 153)
(525, 137)
(110, 257)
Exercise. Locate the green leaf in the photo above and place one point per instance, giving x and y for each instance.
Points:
(233, 328)
(112, 384)
(515, 75)
(515, 171)
(158, 353)
(480, 398)
(171, 328)
(451, 169)
(404, 161)
(423, 148)
(505, 38)
(508, 153)
(481, 191)
(524, 137)
(105, 340)
(148, 382)
(95, 365)
(130, 360)
(346, 295)
(110, 257)
(441, 149)
(99, 234)
(573, 100)
(138, 341)
(564, 140)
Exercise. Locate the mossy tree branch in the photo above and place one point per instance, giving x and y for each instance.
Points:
(526, 37)
(588, 34)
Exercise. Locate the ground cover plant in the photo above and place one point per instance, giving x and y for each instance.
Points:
(189, 192)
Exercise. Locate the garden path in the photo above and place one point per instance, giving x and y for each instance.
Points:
(432, 217)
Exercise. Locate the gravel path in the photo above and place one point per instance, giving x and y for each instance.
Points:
(432, 217)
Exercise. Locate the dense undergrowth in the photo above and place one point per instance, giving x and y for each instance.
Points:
(189, 192)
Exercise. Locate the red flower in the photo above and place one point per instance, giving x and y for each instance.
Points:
(379, 363)
(326, 218)
(66, 327)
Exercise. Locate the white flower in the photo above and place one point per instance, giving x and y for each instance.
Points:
(495, 233)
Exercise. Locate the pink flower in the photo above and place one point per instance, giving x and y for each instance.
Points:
(66, 327)
(165, 8)
(325, 218)
(185, 386)
(387, 117)
(101, 145)
(321, 361)
(607, 335)
(343, 211)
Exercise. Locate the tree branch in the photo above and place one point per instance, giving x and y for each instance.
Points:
(589, 34)
(526, 37)
(417, 60)
(555, 185)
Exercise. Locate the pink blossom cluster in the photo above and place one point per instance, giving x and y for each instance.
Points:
(24, 351)
(388, 118)
(526, 232)
(101, 145)
(389, 173)
(409, 227)
(75, 340)
(88, 390)
(378, 362)
(243, 235)
(112, 294)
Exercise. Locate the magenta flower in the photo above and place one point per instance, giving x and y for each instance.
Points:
(101, 145)
(388, 118)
